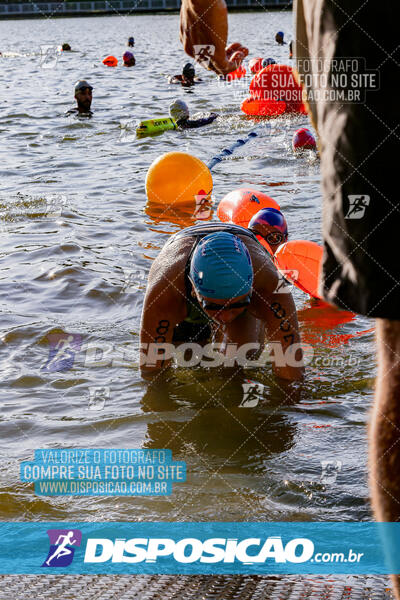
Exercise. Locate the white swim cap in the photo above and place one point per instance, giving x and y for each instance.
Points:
(179, 110)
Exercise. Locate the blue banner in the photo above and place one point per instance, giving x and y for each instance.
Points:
(200, 548)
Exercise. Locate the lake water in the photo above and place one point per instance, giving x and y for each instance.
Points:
(64, 271)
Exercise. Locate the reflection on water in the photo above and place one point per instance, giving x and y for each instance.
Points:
(77, 244)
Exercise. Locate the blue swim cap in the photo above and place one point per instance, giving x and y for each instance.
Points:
(268, 216)
(280, 33)
(221, 267)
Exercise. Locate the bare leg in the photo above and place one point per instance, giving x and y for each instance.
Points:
(385, 429)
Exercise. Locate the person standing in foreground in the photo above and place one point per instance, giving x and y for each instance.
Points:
(215, 283)
(360, 212)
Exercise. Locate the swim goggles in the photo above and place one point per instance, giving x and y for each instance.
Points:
(213, 306)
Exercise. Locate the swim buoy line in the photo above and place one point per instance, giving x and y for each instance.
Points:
(237, 144)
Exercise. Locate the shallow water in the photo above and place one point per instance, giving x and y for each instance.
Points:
(62, 271)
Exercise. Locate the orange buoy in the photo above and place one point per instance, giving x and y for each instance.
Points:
(110, 61)
(236, 74)
(255, 64)
(275, 83)
(177, 178)
(241, 205)
(301, 261)
(259, 108)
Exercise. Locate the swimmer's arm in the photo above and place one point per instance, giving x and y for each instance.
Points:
(278, 312)
(205, 23)
(161, 312)
(195, 123)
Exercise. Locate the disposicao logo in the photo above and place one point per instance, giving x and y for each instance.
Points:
(190, 550)
(62, 542)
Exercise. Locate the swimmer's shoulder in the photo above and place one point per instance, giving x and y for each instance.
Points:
(168, 269)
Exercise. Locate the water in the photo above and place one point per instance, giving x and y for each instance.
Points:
(62, 271)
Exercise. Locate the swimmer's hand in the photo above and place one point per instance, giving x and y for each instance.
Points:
(206, 24)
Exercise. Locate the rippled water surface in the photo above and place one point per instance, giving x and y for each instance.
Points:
(63, 270)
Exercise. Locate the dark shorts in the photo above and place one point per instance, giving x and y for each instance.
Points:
(360, 155)
(198, 333)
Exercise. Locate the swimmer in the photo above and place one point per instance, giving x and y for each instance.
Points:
(179, 111)
(268, 61)
(188, 78)
(279, 38)
(129, 59)
(131, 42)
(214, 282)
(83, 96)
(271, 225)
(66, 48)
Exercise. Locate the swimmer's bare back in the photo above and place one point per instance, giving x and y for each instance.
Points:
(165, 306)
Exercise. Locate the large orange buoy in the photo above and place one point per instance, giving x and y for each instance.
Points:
(255, 64)
(241, 205)
(275, 83)
(236, 74)
(110, 61)
(300, 261)
(177, 178)
(259, 108)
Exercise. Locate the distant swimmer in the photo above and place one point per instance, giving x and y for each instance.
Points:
(291, 49)
(215, 283)
(83, 96)
(66, 48)
(129, 59)
(131, 42)
(279, 38)
(271, 225)
(179, 111)
(188, 77)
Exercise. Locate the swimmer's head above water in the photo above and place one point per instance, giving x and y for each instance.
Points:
(188, 71)
(129, 59)
(271, 225)
(131, 42)
(179, 110)
(268, 61)
(221, 274)
(83, 95)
